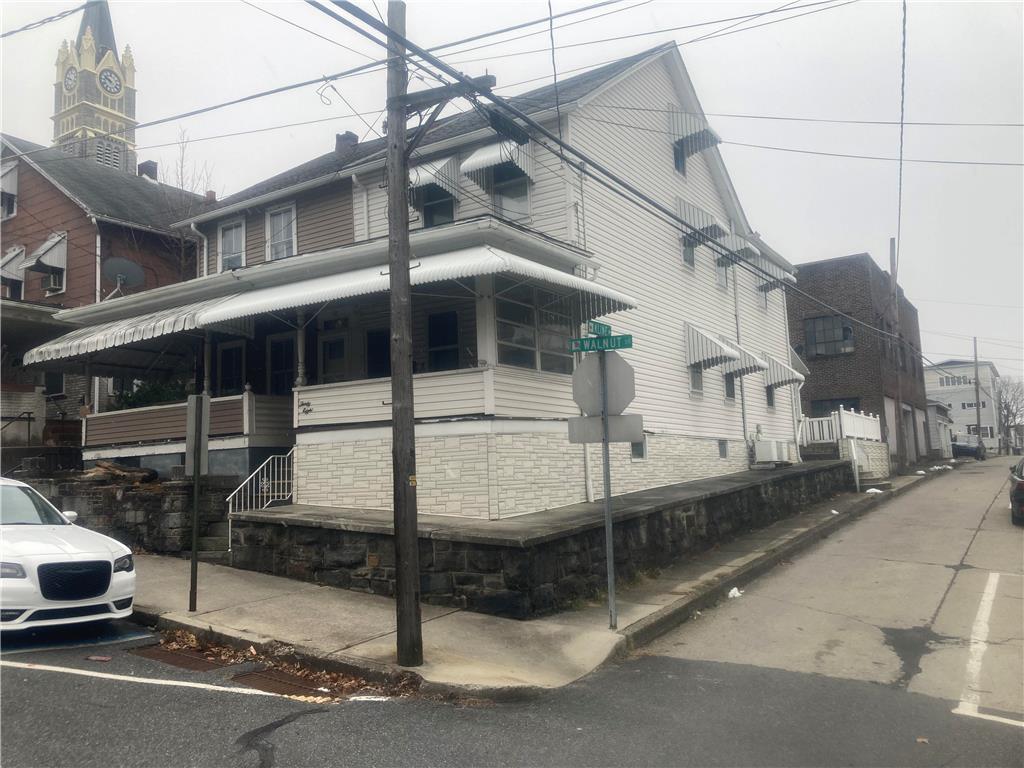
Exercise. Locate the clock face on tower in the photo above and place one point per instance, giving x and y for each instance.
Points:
(70, 78)
(110, 82)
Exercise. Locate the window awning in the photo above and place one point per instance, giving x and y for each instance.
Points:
(519, 155)
(741, 247)
(708, 227)
(442, 172)
(596, 300)
(9, 177)
(747, 364)
(777, 275)
(10, 264)
(797, 364)
(705, 350)
(692, 130)
(50, 256)
(779, 374)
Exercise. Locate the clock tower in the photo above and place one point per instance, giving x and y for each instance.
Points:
(94, 96)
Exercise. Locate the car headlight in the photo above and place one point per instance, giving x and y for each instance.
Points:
(11, 571)
(124, 563)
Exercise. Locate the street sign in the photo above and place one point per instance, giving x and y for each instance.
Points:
(586, 384)
(595, 328)
(600, 343)
(628, 428)
(197, 427)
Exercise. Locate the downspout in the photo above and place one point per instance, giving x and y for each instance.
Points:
(206, 253)
(796, 395)
(743, 398)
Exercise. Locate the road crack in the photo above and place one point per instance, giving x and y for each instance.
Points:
(256, 739)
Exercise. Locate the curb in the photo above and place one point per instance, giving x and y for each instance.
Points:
(631, 638)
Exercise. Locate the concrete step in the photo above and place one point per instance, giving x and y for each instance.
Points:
(213, 543)
(217, 529)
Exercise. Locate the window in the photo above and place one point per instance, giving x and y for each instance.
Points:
(769, 396)
(986, 431)
(53, 383)
(280, 363)
(679, 156)
(231, 368)
(723, 449)
(232, 245)
(378, 353)
(722, 273)
(332, 358)
(534, 328)
(8, 205)
(443, 341)
(827, 336)
(8, 189)
(281, 233)
(689, 253)
(12, 289)
(638, 450)
(511, 192)
(53, 282)
(696, 378)
(821, 408)
(730, 386)
(438, 206)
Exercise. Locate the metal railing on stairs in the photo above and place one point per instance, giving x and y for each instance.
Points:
(270, 482)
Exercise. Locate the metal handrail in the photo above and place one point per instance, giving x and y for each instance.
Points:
(11, 419)
(271, 481)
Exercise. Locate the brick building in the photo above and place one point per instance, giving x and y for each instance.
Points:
(851, 366)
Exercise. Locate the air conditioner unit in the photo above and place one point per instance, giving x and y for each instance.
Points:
(769, 451)
(53, 281)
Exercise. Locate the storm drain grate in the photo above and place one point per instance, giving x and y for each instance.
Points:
(284, 684)
(185, 659)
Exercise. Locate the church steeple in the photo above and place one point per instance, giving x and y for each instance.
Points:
(94, 96)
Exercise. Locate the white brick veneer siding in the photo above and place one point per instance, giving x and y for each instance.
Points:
(872, 456)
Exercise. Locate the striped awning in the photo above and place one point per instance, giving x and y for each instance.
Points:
(708, 226)
(741, 247)
(691, 130)
(747, 364)
(778, 276)
(442, 172)
(50, 256)
(10, 264)
(519, 155)
(705, 350)
(797, 364)
(779, 374)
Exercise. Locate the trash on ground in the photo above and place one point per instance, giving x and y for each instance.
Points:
(874, 490)
(734, 592)
(835, 512)
(922, 740)
(920, 472)
(98, 658)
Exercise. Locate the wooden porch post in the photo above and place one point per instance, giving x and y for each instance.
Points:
(300, 348)
(486, 330)
(206, 363)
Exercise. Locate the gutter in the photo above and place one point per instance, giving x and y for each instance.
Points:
(206, 251)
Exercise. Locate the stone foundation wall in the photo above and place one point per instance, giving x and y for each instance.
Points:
(524, 580)
(156, 517)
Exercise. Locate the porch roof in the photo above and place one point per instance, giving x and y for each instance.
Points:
(457, 265)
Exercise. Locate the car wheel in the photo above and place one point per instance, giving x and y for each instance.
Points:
(1017, 519)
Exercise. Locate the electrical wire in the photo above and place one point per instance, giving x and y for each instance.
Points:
(310, 31)
(899, 182)
(47, 20)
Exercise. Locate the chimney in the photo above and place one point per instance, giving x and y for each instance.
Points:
(148, 168)
(211, 196)
(343, 142)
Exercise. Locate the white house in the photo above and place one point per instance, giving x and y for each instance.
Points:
(952, 382)
(513, 251)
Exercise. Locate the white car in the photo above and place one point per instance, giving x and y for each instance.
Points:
(54, 572)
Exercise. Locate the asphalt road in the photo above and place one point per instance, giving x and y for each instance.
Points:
(855, 654)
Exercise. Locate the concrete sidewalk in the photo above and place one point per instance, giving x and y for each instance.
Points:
(472, 652)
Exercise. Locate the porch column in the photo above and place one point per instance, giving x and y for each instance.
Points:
(206, 363)
(87, 396)
(300, 348)
(486, 327)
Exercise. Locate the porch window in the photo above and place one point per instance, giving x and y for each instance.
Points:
(53, 382)
(511, 192)
(438, 206)
(281, 233)
(280, 363)
(443, 341)
(332, 358)
(231, 368)
(533, 329)
(232, 245)
(378, 353)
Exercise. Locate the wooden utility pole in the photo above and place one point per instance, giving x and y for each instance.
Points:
(901, 442)
(977, 399)
(403, 445)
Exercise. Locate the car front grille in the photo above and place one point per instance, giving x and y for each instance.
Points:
(74, 581)
(68, 613)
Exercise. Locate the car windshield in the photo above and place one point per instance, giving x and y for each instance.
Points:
(23, 506)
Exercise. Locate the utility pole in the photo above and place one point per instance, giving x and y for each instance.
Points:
(901, 442)
(977, 399)
(403, 440)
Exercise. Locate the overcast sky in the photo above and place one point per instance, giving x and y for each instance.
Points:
(962, 259)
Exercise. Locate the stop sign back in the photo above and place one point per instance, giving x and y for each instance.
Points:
(586, 384)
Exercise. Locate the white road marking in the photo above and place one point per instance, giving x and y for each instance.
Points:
(131, 679)
(970, 699)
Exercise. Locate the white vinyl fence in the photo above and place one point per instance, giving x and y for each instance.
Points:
(841, 424)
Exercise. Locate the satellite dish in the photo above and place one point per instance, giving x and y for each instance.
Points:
(123, 272)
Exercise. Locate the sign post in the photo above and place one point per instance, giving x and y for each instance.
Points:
(196, 465)
(602, 386)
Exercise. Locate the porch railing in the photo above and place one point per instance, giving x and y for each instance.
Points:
(270, 482)
(841, 424)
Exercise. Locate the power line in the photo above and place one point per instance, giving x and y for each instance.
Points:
(899, 182)
(738, 23)
(43, 22)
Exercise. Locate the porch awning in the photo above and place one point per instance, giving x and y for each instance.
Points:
(50, 256)
(519, 155)
(597, 299)
(707, 226)
(705, 350)
(442, 172)
(747, 364)
(119, 333)
(10, 264)
(779, 374)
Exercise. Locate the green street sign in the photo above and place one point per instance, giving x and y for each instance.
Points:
(599, 329)
(600, 343)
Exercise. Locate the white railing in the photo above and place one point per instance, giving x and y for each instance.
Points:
(841, 424)
(270, 482)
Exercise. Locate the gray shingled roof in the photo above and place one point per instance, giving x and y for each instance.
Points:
(570, 90)
(108, 193)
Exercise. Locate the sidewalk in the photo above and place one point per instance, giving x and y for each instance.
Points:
(472, 652)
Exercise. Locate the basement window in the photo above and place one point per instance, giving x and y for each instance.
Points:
(723, 449)
(638, 451)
